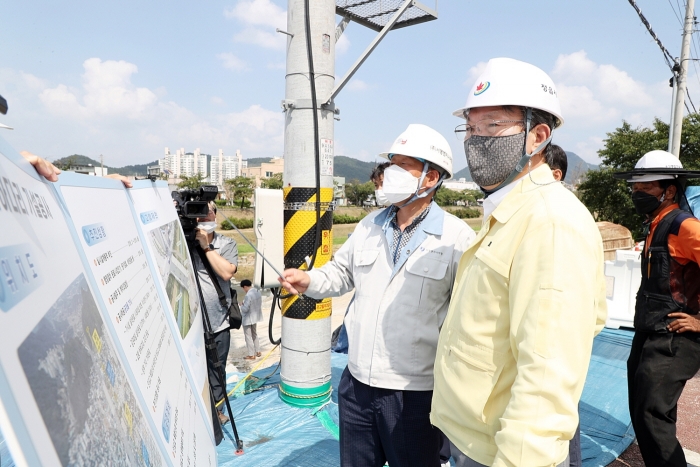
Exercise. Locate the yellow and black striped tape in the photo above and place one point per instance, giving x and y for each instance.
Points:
(299, 241)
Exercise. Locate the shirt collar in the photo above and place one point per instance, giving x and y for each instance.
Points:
(432, 223)
(521, 193)
(494, 199)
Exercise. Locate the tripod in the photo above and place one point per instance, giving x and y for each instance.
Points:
(210, 345)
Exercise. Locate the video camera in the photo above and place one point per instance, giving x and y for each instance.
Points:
(191, 204)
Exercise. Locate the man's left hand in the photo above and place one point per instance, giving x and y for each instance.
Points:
(202, 238)
(684, 323)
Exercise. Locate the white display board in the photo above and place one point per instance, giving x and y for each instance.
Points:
(170, 253)
(93, 369)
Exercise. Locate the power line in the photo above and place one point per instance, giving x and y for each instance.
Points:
(674, 11)
(670, 61)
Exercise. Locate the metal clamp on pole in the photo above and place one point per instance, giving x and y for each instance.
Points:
(300, 104)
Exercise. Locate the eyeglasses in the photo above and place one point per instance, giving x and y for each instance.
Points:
(485, 127)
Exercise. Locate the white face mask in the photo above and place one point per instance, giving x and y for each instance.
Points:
(208, 227)
(399, 184)
(381, 198)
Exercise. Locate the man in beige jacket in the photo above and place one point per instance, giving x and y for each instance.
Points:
(529, 296)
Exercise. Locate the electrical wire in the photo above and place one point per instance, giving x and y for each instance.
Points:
(670, 61)
(695, 47)
(674, 11)
(275, 302)
(230, 393)
(317, 142)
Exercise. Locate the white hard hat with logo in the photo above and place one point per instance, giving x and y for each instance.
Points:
(506, 81)
(422, 142)
(657, 165)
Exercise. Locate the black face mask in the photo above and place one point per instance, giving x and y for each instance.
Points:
(644, 203)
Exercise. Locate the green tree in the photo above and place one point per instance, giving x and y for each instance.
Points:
(66, 162)
(608, 198)
(447, 197)
(273, 183)
(240, 188)
(357, 192)
(191, 183)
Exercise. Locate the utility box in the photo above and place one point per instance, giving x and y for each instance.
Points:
(269, 232)
(623, 277)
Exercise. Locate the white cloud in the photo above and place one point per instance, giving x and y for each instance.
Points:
(358, 85)
(580, 102)
(107, 92)
(231, 62)
(262, 38)
(258, 12)
(261, 18)
(608, 83)
(108, 113)
(474, 72)
(596, 98)
(588, 149)
(342, 45)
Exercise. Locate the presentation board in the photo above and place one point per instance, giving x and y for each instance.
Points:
(94, 367)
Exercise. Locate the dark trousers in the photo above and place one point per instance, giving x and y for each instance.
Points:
(223, 342)
(575, 459)
(379, 425)
(657, 369)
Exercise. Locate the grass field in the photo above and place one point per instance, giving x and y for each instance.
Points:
(340, 234)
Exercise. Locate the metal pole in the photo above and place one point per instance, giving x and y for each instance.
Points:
(673, 111)
(306, 323)
(373, 45)
(682, 78)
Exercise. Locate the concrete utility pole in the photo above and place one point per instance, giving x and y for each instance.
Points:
(681, 81)
(306, 323)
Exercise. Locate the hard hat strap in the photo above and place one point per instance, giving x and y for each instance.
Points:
(417, 196)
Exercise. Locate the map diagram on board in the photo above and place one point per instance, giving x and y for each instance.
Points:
(174, 266)
(80, 386)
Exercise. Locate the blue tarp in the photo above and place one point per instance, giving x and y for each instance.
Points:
(275, 434)
(693, 195)
(606, 428)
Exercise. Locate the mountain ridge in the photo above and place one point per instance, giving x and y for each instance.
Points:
(577, 167)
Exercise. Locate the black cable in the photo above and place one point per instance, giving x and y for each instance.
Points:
(317, 142)
(667, 55)
(687, 94)
(275, 302)
(674, 11)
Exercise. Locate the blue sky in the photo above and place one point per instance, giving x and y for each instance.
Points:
(125, 79)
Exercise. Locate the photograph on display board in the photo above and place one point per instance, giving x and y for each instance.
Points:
(81, 389)
(174, 266)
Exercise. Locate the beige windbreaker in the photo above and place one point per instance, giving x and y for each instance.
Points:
(516, 343)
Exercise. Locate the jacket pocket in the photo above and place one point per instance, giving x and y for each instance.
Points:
(366, 257)
(479, 369)
(363, 261)
(426, 267)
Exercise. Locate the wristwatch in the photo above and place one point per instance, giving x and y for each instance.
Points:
(209, 247)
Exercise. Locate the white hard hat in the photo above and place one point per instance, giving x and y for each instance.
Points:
(511, 82)
(422, 142)
(657, 165)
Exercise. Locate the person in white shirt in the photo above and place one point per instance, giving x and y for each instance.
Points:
(251, 311)
(401, 261)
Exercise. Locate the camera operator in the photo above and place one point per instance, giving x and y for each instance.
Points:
(222, 254)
